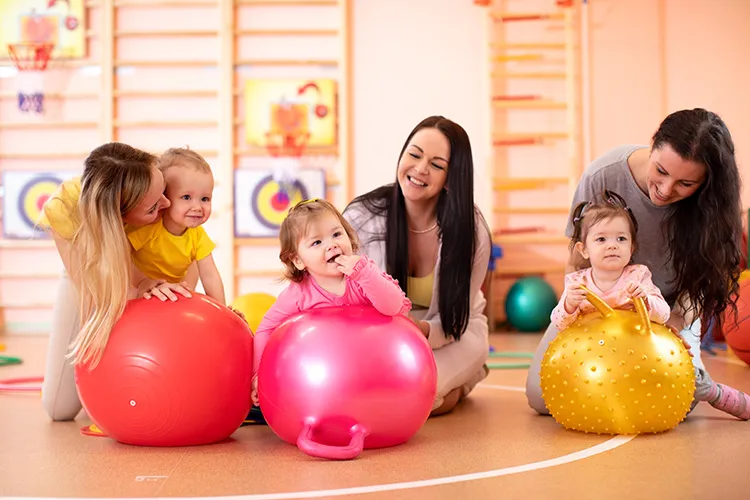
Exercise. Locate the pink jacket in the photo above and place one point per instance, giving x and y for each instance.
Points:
(366, 286)
(615, 297)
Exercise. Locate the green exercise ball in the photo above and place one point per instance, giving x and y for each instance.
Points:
(529, 304)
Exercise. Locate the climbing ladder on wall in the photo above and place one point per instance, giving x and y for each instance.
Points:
(262, 27)
(536, 123)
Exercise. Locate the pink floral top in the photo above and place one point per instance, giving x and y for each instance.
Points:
(615, 297)
(367, 285)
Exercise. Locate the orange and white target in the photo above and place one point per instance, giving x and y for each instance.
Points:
(261, 202)
(25, 194)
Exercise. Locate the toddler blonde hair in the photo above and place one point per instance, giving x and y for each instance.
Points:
(185, 157)
(295, 227)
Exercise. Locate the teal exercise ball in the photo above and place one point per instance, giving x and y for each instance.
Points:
(529, 304)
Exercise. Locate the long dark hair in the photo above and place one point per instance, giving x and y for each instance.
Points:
(705, 229)
(456, 219)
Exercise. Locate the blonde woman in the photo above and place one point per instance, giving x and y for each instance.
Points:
(88, 217)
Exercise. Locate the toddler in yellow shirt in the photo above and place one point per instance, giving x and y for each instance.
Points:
(166, 249)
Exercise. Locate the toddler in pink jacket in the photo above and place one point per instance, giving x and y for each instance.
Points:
(318, 249)
(604, 236)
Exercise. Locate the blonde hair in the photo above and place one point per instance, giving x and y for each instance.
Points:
(115, 179)
(295, 227)
(183, 157)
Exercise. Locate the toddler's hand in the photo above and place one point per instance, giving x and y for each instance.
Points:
(574, 296)
(635, 290)
(254, 392)
(346, 263)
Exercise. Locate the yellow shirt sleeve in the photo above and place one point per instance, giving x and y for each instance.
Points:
(138, 237)
(203, 244)
(60, 212)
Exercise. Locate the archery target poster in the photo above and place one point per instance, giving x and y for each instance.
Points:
(24, 195)
(261, 203)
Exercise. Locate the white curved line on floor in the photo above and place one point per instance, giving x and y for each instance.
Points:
(375, 488)
(610, 444)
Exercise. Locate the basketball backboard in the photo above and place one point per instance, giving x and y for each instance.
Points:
(61, 22)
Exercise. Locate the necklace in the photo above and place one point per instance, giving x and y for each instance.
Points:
(424, 230)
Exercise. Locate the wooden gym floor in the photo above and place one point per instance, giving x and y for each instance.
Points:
(492, 446)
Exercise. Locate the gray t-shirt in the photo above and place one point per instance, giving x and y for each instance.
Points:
(610, 171)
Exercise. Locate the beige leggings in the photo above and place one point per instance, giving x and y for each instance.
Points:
(59, 394)
(462, 363)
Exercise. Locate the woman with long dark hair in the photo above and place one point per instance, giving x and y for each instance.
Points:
(427, 233)
(684, 191)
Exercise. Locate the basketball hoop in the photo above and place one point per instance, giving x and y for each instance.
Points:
(31, 60)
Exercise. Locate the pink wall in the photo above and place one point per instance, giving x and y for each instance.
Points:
(652, 57)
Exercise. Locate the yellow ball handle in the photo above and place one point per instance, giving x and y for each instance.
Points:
(606, 311)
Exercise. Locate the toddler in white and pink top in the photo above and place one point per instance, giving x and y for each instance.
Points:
(605, 238)
(317, 248)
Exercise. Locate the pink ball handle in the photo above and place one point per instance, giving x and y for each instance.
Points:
(306, 443)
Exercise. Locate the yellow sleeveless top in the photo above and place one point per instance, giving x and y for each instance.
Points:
(420, 289)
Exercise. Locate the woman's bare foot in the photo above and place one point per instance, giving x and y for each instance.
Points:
(449, 402)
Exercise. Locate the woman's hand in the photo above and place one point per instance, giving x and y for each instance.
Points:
(676, 323)
(163, 290)
(423, 326)
(238, 313)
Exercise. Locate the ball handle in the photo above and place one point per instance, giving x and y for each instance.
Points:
(307, 443)
(597, 302)
(640, 308)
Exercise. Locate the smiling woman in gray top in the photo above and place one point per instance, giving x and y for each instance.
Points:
(684, 192)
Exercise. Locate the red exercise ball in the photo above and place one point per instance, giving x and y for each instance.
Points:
(737, 333)
(339, 379)
(172, 374)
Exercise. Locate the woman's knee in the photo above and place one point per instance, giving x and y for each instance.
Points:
(480, 345)
(59, 410)
(533, 380)
(692, 334)
(535, 399)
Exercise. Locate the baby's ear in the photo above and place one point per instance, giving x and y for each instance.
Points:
(298, 263)
(581, 249)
